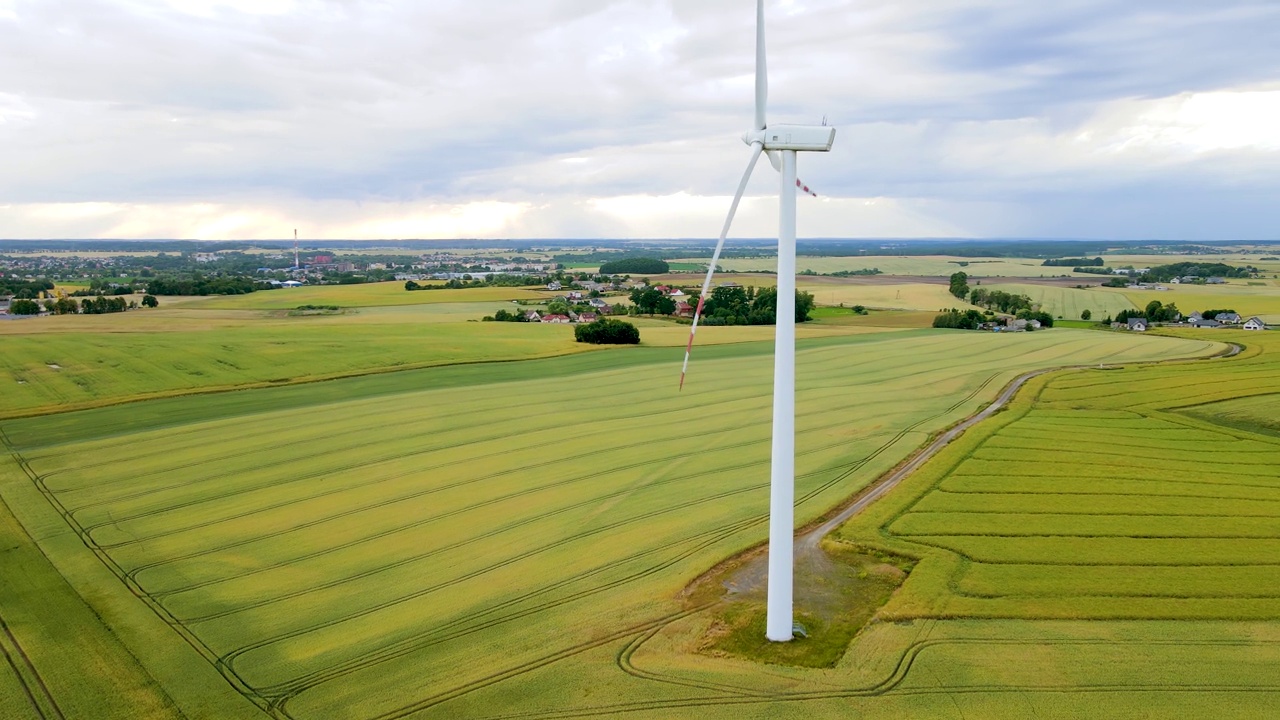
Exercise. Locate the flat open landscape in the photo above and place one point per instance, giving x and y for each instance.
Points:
(935, 265)
(425, 542)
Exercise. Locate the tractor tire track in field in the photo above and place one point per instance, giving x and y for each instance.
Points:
(361, 464)
(24, 671)
(890, 683)
(263, 701)
(491, 476)
(329, 449)
(465, 626)
(758, 519)
(808, 542)
(229, 659)
(429, 491)
(643, 630)
(339, 450)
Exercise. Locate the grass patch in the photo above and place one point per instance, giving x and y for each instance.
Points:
(835, 598)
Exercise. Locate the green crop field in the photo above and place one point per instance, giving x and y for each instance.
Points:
(483, 540)
(365, 295)
(1068, 303)
(52, 370)
(1248, 300)
(57, 363)
(1132, 498)
(905, 296)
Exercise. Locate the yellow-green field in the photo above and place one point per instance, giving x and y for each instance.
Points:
(63, 362)
(1067, 302)
(1233, 258)
(1248, 300)
(906, 296)
(487, 540)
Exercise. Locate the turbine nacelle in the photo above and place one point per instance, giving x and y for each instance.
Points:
(801, 138)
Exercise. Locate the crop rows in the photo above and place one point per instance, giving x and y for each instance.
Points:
(364, 555)
(1108, 495)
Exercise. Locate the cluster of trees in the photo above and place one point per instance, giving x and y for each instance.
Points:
(102, 305)
(466, 281)
(607, 331)
(972, 319)
(24, 289)
(652, 302)
(953, 318)
(855, 273)
(1155, 311)
(453, 284)
(97, 305)
(1044, 318)
(1000, 300)
(1073, 262)
(638, 265)
(959, 284)
(504, 315)
(750, 306)
(24, 306)
(206, 285)
(1092, 270)
(1165, 273)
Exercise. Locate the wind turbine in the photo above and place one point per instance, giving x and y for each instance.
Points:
(781, 142)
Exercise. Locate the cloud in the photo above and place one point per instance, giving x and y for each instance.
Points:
(961, 116)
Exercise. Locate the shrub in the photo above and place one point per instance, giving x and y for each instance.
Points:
(606, 331)
(24, 307)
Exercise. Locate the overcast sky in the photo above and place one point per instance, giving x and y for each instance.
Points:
(213, 119)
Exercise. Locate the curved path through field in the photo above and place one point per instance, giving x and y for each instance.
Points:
(753, 574)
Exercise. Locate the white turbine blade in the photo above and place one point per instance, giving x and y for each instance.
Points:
(762, 69)
(756, 148)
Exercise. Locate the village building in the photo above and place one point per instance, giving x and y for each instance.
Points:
(1255, 324)
(1138, 324)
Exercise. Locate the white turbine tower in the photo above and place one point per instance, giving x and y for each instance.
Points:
(781, 142)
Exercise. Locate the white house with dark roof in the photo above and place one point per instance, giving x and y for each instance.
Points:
(1228, 318)
(1138, 324)
(1255, 324)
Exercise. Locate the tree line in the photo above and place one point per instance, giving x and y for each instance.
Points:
(1073, 262)
(206, 285)
(98, 305)
(635, 265)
